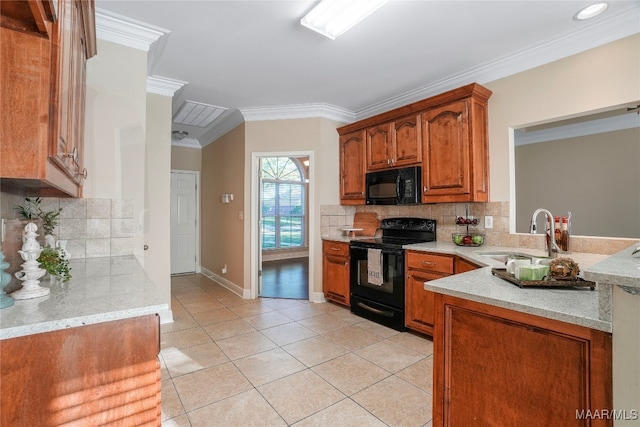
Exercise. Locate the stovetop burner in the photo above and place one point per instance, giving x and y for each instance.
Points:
(397, 232)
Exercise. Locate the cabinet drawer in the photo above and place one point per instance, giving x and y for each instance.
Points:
(335, 248)
(430, 262)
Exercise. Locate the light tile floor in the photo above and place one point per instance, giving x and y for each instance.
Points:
(276, 362)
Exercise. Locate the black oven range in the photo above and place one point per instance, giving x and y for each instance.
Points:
(376, 276)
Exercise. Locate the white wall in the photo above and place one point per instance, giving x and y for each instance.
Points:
(573, 86)
(127, 143)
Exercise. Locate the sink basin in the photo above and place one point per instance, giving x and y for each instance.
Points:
(503, 256)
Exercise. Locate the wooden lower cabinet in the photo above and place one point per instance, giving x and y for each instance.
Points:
(335, 271)
(419, 303)
(101, 374)
(462, 265)
(498, 367)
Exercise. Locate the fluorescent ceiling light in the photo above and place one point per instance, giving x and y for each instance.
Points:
(590, 11)
(333, 17)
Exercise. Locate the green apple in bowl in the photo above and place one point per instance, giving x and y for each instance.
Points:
(477, 240)
(457, 239)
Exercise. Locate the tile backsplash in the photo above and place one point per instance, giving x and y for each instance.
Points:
(336, 217)
(92, 227)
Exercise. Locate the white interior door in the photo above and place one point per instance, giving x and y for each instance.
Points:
(183, 222)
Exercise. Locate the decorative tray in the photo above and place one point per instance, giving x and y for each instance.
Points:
(549, 283)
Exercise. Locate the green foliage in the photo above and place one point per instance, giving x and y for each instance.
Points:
(32, 210)
(52, 260)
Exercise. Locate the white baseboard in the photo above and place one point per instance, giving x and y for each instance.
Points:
(241, 292)
(317, 297)
(166, 316)
(279, 256)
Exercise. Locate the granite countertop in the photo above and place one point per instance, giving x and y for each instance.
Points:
(101, 290)
(621, 269)
(579, 306)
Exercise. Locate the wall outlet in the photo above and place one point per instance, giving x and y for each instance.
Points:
(224, 269)
(488, 222)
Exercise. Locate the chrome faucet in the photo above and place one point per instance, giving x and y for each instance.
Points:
(552, 247)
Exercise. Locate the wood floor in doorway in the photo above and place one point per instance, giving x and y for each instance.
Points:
(288, 278)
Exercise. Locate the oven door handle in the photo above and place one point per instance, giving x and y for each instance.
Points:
(375, 310)
(384, 251)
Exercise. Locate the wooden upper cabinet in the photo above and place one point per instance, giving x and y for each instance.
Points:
(352, 168)
(445, 134)
(455, 155)
(43, 104)
(31, 17)
(446, 166)
(407, 141)
(394, 144)
(379, 147)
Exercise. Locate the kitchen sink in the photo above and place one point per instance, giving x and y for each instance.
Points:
(503, 256)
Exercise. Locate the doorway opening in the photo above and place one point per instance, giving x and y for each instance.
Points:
(281, 230)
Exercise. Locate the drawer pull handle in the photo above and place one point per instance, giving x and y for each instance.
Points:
(428, 263)
(335, 249)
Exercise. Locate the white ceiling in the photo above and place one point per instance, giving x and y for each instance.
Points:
(255, 56)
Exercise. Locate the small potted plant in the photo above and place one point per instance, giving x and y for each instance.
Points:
(54, 260)
(32, 210)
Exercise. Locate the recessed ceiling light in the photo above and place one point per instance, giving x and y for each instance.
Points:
(590, 11)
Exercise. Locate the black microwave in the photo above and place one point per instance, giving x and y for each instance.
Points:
(394, 187)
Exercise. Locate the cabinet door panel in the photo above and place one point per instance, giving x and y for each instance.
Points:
(446, 164)
(352, 168)
(101, 374)
(335, 278)
(496, 367)
(407, 141)
(420, 303)
(379, 148)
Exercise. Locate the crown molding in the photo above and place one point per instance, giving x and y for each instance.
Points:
(606, 31)
(186, 142)
(164, 86)
(126, 31)
(132, 33)
(298, 111)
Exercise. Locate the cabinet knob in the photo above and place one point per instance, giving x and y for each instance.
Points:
(74, 155)
(83, 174)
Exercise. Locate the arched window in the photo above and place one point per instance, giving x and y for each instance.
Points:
(282, 201)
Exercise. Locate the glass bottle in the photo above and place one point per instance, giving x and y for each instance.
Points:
(557, 233)
(565, 234)
(548, 232)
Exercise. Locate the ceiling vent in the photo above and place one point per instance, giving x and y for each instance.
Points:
(197, 114)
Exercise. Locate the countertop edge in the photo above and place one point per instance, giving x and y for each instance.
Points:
(37, 328)
(480, 275)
